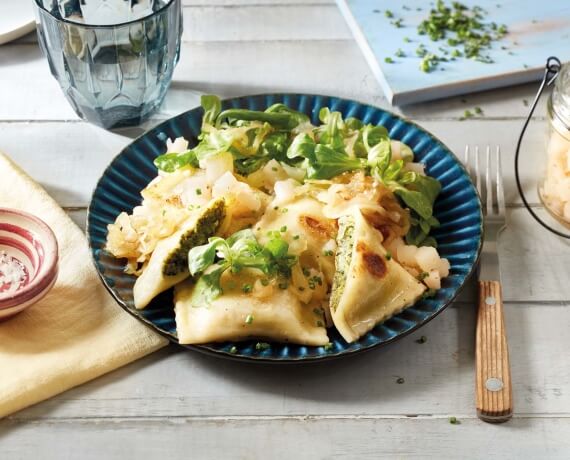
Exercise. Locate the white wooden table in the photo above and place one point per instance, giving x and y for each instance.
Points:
(179, 404)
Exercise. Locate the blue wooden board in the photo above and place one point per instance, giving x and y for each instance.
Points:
(537, 29)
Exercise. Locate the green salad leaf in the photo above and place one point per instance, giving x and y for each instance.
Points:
(303, 146)
(170, 162)
(212, 107)
(328, 163)
(324, 152)
(332, 131)
(241, 250)
(296, 118)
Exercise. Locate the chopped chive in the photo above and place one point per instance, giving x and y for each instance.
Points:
(328, 253)
(388, 255)
(296, 237)
(273, 168)
(249, 319)
(400, 380)
(328, 346)
(407, 40)
(388, 60)
(478, 110)
(246, 288)
(283, 229)
(265, 282)
(388, 14)
(397, 23)
(467, 114)
(275, 208)
(198, 191)
(400, 53)
(261, 346)
(422, 339)
(454, 421)
(468, 26)
(284, 210)
(429, 62)
(233, 350)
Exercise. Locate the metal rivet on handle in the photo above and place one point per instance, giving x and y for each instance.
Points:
(490, 300)
(494, 384)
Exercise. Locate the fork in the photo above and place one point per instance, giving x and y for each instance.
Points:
(492, 373)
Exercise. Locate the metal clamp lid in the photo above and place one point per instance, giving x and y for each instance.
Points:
(551, 71)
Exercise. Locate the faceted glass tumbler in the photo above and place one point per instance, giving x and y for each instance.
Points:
(113, 59)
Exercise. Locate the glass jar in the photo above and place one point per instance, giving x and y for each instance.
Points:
(554, 189)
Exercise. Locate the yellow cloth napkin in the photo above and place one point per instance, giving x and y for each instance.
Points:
(77, 332)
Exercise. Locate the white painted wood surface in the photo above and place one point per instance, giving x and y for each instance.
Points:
(176, 404)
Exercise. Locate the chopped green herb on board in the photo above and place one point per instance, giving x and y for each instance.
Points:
(463, 31)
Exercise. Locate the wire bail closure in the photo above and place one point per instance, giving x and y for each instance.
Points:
(551, 71)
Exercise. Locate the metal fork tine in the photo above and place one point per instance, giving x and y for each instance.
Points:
(500, 190)
(466, 160)
(488, 180)
(477, 175)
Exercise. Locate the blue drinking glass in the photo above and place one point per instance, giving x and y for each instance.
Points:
(113, 59)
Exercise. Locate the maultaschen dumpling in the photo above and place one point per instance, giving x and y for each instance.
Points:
(235, 315)
(369, 287)
(168, 264)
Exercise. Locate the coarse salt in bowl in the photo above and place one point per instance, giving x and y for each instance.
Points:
(28, 261)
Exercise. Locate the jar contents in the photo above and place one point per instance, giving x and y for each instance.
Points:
(13, 274)
(555, 190)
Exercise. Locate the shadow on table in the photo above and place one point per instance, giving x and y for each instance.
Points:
(373, 375)
(19, 54)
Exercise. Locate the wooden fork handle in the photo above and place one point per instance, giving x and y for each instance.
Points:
(493, 373)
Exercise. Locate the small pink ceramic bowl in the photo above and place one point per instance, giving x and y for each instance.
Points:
(28, 261)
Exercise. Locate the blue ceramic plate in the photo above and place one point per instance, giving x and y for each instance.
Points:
(458, 208)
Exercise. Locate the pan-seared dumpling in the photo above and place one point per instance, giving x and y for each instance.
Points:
(168, 264)
(368, 286)
(263, 312)
(307, 231)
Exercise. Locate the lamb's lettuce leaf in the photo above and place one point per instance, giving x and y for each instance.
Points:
(239, 251)
(170, 162)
